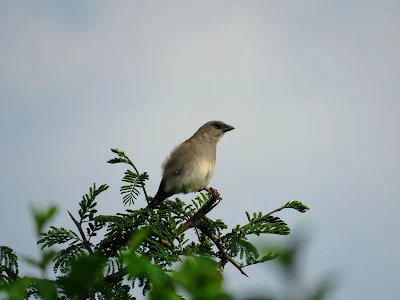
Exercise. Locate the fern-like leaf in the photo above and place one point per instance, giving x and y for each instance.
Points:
(122, 158)
(88, 203)
(57, 236)
(64, 258)
(8, 263)
(297, 205)
(131, 192)
(241, 247)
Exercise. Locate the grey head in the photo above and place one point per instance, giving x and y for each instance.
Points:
(212, 131)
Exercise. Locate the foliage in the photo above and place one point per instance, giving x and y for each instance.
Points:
(140, 248)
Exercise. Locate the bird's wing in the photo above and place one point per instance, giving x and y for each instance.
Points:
(178, 158)
(173, 168)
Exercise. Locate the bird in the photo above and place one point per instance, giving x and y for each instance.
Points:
(190, 166)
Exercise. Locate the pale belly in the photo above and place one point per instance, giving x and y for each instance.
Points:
(200, 177)
(193, 179)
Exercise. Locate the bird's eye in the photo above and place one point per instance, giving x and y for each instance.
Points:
(218, 125)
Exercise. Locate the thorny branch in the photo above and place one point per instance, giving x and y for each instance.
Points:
(167, 244)
(84, 239)
(117, 276)
(213, 202)
(215, 199)
(224, 254)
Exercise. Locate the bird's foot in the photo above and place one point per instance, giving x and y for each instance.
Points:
(212, 192)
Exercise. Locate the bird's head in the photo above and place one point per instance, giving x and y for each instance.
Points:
(213, 130)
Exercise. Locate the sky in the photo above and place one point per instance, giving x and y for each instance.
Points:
(310, 86)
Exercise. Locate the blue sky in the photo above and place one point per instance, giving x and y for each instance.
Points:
(311, 88)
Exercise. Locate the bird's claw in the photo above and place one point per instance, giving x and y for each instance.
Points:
(212, 192)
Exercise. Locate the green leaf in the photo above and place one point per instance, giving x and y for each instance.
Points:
(122, 158)
(56, 236)
(140, 265)
(131, 191)
(47, 257)
(248, 216)
(86, 272)
(297, 205)
(88, 202)
(137, 239)
(8, 263)
(64, 258)
(43, 216)
(269, 256)
(46, 289)
(201, 278)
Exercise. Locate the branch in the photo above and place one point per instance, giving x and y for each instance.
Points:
(192, 222)
(213, 202)
(117, 276)
(168, 245)
(84, 239)
(224, 254)
(241, 229)
(112, 278)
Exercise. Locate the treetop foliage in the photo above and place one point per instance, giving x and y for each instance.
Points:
(108, 256)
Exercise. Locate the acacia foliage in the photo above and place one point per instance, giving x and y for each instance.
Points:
(107, 256)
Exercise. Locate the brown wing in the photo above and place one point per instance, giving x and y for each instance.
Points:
(178, 158)
(173, 166)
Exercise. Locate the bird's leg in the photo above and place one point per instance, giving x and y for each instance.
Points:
(212, 192)
(205, 209)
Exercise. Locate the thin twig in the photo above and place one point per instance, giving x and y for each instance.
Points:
(241, 229)
(200, 214)
(117, 276)
(167, 244)
(224, 254)
(84, 239)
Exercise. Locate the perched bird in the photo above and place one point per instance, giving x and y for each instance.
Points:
(190, 166)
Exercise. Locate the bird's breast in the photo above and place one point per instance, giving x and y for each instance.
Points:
(206, 169)
(198, 176)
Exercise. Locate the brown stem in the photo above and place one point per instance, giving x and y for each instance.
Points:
(167, 244)
(201, 213)
(117, 276)
(84, 239)
(213, 202)
(224, 254)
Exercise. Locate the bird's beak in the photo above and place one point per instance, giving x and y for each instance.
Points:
(227, 127)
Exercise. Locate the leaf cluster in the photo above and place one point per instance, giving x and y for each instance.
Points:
(141, 247)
